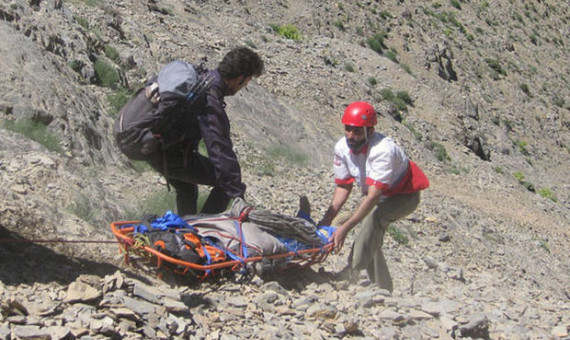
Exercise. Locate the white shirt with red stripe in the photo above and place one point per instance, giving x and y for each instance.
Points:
(380, 162)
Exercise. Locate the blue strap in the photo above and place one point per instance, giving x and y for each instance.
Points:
(208, 241)
(169, 221)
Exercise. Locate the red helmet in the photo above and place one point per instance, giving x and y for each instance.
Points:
(359, 114)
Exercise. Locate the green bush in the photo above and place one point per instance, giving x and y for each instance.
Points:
(392, 55)
(519, 176)
(288, 31)
(407, 68)
(35, 131)
(157, 203)
(117, 100)
(372, 81)
(495, 65)
(349, 67)
(440, 152)
(82, 22)
(455, 4)
(546, 193)
(106, 74)
(521, 145)
(401, 98)
(84, 209)
(75, 65)
(339, 25)
(111, 53)
(376, 42)
(558, 101)
(524, 87)
(417, 135)
(287, 153)
(398, 235)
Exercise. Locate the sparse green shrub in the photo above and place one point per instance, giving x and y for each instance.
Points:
(392, 55)
(558, 101)
(372, 81)
(35, 131)
(401, 98)
(543, 244)
(360, 31)
(398, 235)
(455, 4)
(508, 124)
(498, 169)
(117, 100)
(546, 193)
(92, 3)
(250, 44)
(405, 97)
(265, 170)
(84, 209)
(157, 203)
(112, 53)
(288, 31)
(387, 94)
(140, 166)
(75, 65)
(82, 22)
(339, 25)
(524, 87)
(440, 152)
(376, 42)
(287, 153)
(384, 15)
(106, 74)
(495, 65)
(407, 68)
(349, 67)
(416, 134)
(519, 176)
(521, 145)
(454, 170)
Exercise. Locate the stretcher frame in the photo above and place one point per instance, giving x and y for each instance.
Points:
(128, 245)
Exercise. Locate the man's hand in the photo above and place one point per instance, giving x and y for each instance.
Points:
(364, 209)
(338, 238)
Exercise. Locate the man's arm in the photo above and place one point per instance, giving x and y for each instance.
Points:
(364, 209)
(215, 129)
(340, 195)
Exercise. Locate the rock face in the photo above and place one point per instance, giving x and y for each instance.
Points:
(476, 93)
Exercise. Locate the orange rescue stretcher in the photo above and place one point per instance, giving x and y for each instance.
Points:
(124, 232)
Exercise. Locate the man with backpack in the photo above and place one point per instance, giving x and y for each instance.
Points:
(165, 121)
(390, 183)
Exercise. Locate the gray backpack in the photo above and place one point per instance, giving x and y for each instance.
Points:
(154, 108)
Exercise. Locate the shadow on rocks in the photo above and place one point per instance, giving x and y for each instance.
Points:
(22, 262)
(299, 278)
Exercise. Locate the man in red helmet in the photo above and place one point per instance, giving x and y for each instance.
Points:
(390, 183)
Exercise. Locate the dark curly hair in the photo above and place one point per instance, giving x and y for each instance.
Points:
(241, 61)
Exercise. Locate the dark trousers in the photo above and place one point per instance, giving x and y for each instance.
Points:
(185, 171)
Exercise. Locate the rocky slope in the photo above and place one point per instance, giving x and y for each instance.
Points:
(480, 101)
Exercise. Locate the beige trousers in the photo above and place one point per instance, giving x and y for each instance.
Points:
(366, 251)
